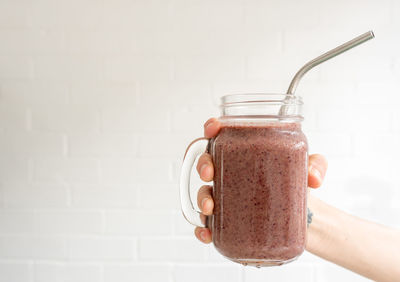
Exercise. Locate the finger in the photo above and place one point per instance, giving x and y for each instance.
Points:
(203, 234)
(205, 167)
(317, 166)
(211, 127)
(205, 200)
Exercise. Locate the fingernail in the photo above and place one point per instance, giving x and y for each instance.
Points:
(316, 173)
(208, 124)
(203, 203)
(203, 235)
(203, 167)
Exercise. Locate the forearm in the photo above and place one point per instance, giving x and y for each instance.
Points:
(364, 247)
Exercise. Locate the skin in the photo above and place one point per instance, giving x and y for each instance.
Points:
(367, 248)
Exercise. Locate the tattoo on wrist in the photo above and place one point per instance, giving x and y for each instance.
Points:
(309, 216)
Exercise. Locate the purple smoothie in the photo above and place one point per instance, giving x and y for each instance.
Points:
(260, 188)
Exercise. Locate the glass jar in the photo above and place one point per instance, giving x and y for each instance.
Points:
(260, 180)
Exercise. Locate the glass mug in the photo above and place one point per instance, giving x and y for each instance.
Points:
(260, 180)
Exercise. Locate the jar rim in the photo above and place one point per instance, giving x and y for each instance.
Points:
(260, 98)
(262, 106)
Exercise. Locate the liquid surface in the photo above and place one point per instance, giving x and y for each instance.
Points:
(260, 187)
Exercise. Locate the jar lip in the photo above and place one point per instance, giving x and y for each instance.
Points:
(250, 98)
(260, 119)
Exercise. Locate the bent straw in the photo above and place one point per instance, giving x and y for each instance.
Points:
(324, 57)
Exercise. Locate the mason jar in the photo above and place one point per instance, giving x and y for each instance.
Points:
(260, 180)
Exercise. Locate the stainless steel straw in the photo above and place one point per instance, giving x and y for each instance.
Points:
(324, 57)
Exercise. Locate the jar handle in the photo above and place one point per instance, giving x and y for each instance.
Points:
(196, 148)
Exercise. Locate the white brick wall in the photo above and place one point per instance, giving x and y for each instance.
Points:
(178, 249)
(15, 272)
(127, 272)
(207, 272)
(101, 248)
(22, 195)
(24, 247)
(67, 272)
(290, 272)
(98, 100)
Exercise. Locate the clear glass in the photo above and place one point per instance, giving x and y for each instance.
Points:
(262, 105)
(260, 180)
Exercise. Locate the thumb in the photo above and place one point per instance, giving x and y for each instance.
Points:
(317, 166)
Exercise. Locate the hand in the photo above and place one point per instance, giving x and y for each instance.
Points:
(317, 166)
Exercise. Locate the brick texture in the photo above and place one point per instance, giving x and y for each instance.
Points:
(98, 100)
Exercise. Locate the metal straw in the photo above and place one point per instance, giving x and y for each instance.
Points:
(324, 57)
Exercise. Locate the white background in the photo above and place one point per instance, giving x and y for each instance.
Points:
(99, 98)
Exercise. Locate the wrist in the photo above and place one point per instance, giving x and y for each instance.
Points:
(318, 230)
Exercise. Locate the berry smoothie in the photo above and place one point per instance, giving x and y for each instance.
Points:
(260, 188)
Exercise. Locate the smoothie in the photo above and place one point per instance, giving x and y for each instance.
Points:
(260, 188)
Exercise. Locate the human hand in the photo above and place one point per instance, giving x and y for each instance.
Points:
(317, 166)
